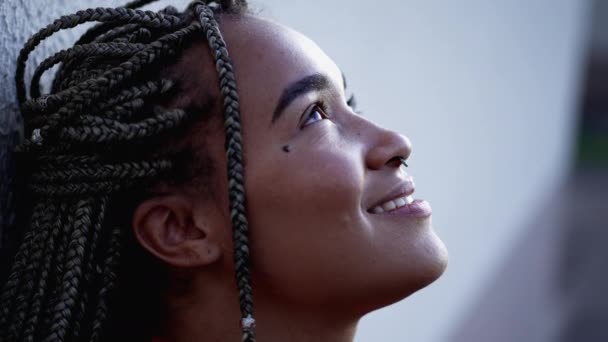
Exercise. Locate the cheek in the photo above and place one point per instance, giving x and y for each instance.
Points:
(307, 179)
(302, 208)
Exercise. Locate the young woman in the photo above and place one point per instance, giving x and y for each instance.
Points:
(176, 150)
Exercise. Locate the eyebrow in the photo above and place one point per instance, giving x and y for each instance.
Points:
(314, 82)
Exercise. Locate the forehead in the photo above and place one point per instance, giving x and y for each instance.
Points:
(268, 56)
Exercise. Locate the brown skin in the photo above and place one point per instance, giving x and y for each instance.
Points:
(320, 259)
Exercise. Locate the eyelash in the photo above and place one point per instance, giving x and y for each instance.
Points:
(322, 106)
(352, 103)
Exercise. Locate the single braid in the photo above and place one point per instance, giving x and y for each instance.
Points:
(234, 155)
(102, 28)
(142, 91)
(108, 282)
(117, 33)
(95, 172)
(97, 129)
(91, 272)
(125, 111)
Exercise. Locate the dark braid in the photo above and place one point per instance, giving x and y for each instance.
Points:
(79, 51)
(98, 31)
(108, 281)
(21, 269)
(50, 250)
(34, 270)
(119, 15)
(78, 98)
(104, 136)
(234, 156)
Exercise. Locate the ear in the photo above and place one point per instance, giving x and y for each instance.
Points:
(167, 228)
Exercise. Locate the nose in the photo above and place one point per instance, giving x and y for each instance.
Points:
(387, 148)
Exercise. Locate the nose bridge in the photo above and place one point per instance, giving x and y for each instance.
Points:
(383, 146)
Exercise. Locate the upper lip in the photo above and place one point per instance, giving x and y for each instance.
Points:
(404, 188)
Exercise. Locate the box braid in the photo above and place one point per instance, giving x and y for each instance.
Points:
(94, 139)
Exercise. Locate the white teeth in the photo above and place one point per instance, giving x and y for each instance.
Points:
(400, 202)
(390, 205)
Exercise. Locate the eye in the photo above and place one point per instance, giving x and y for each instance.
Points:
(316, 113)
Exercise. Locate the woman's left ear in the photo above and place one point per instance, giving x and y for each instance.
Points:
(170, 228)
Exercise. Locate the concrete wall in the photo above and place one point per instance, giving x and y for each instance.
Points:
(486, 90)
(19, 19)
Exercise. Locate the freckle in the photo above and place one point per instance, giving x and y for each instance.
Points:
(287, 148)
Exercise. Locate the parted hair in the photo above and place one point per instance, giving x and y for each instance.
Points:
(96, 142)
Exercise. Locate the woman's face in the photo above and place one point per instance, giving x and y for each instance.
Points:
(314, 170)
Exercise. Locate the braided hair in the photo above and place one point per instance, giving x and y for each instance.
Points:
(96, 141)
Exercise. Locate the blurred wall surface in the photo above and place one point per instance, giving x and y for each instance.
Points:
(552, 287)
(486, 91)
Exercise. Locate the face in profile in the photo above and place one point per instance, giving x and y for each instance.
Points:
(325, 186)
(333, 224)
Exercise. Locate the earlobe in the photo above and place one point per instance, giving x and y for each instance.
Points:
(165, 226)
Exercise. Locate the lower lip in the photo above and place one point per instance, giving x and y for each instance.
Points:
(418, 208)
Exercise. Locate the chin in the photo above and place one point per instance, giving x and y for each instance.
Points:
(429, 267)
(433, 263)
(438, 261)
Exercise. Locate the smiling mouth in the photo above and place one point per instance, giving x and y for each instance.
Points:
(392, 204)
(400, 202)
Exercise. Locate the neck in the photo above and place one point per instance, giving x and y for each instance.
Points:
(213, 315)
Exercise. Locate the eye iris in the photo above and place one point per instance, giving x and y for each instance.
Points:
(314, 116)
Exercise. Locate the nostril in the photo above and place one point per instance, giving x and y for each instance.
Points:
(387, 148)
(396, 161)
